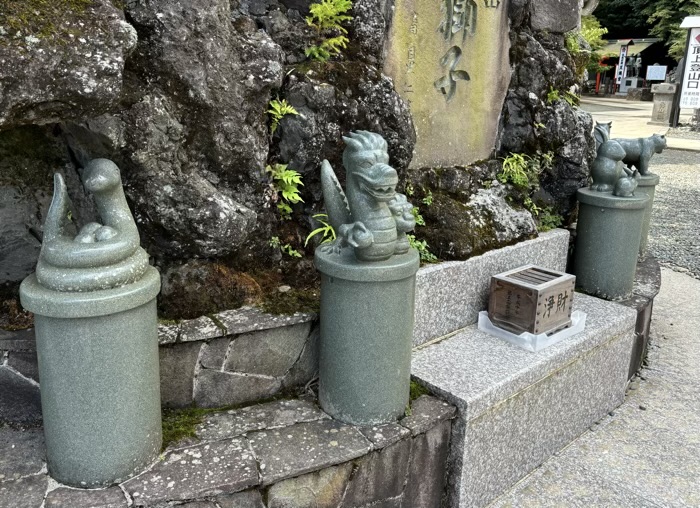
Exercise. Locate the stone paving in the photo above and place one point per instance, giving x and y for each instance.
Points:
(285, 453)
(630, 119)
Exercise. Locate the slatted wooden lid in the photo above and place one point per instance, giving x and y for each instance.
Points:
(533, 275)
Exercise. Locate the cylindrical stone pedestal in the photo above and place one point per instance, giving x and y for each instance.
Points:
(647, 187)
(366, 336)
(99, 375)
(607, 242)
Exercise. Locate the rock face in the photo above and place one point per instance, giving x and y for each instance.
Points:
(536, 120)
(192, 137)
(65, 67)
(332, 100)
(463, 218)
(177, 93)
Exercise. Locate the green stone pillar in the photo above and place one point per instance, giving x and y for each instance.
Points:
(366, 336)
(100, 386)
(608, 234)
(647, 187)
(94, 302)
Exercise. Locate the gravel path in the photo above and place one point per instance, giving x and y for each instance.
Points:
(674, 238)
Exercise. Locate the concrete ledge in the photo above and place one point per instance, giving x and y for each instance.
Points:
(517, 408)
(450, 295)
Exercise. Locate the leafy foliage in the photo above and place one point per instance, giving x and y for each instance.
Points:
(547, 220)
(278, 110)
(286, 183)
(327, 17)
(641, 18)
(286, 248)
(665, 16)
(329, 14)
(522, 172)
(514, 171)
(552, 95)
(423, 249)
(327, 48)
(420, 221)
(592, 33)
(326, 230)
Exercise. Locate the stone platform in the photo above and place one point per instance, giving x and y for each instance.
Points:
(286, 453)
(517, 408)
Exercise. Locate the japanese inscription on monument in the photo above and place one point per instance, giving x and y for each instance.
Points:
(449, 60)
(690, 93)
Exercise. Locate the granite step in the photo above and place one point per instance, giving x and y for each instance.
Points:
(517, 408)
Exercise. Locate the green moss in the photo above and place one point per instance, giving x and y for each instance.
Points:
(417, 390)
(163, 321)
(42, 18)
(294, 300)
(179, 424)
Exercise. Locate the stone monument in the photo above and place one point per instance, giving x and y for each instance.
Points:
(367, 288)
(449, 61)
(93, 299)
(664, 94)
(609, 227)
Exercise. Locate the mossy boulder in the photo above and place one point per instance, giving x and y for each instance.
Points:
(61, 60)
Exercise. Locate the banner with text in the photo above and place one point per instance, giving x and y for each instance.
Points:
(690, 93)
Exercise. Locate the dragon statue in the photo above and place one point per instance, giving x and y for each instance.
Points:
(100, 256)
(370, 216)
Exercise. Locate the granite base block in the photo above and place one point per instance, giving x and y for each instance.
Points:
(517, 408)
(450, 295)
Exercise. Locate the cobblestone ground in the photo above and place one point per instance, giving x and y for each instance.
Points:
(674, 238)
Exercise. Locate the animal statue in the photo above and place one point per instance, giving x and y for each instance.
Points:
(100, 256)
(607, 166)
(370, 215)
(626, 185)
(601, 133)
(640, 150)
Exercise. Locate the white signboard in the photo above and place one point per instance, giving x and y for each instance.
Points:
(656, 72)
(690, 93)
(621, 70)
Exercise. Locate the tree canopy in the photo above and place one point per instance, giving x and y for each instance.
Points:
(644, 18)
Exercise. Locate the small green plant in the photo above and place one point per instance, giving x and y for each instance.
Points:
(428, 199)
(547, 220)
(423, 249)
(409, 190)
(326, 17)
(530, 205)
(327, 48)
(420, 221)
(287, 249)
(571, 99)
(552, 95)
(326, 230)
(286, 183)
(278, 110)
(514, 170)
(540, 125)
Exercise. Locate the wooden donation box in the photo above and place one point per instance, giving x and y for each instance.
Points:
(531, 299)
